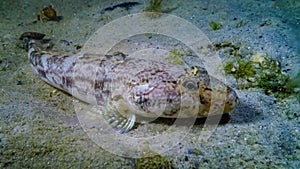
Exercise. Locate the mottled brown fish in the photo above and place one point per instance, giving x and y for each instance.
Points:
(125, 87)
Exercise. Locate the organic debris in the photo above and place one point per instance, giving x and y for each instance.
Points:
(48, 14)
(125, 5)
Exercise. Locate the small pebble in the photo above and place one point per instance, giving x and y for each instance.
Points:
(190, 151)
(186, 158)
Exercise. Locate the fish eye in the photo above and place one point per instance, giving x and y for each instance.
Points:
(190, 85)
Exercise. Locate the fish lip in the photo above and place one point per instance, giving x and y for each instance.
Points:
(232, 96)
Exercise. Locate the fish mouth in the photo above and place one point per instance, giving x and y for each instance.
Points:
(232, 101)
(233, 96)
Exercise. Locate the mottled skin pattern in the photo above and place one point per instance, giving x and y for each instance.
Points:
(132, 86)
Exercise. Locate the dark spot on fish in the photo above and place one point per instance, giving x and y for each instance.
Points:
(99, 84)
(42, 73)
(69, 81)
(209, 89)
(203, 100)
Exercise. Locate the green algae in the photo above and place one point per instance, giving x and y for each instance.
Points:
(240, 69)
(239, 24)
(214, 25)
(154, 6)
(152, 160)
(158, 6)
(266, 23)
(258, 71)
(156, 162)
(295, 82)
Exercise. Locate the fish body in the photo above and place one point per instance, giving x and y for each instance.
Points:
(132, 86)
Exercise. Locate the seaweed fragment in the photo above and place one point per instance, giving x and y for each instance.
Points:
(154, 6)
(214, 25)
(239, 24)
(233, 48)
(227, 44)
(295, 82)
(266, 23)
(157, 6)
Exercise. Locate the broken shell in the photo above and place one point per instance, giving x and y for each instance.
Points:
(49, 12)
(32, 35)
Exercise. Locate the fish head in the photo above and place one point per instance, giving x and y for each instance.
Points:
(178, 95)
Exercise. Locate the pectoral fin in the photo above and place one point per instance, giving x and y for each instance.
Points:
(116, 120)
